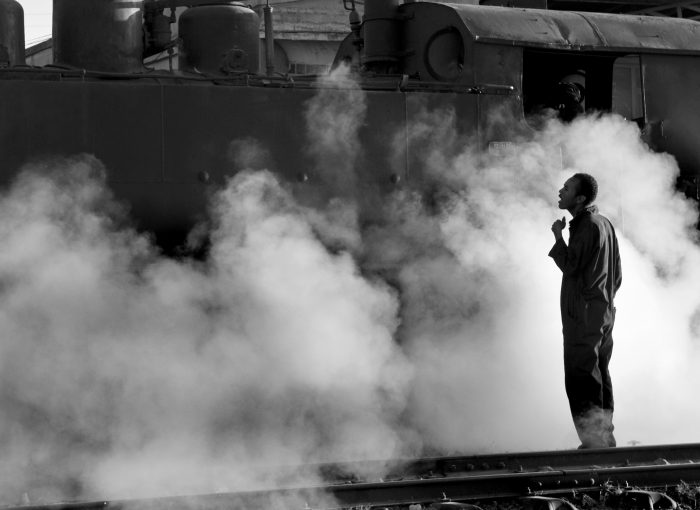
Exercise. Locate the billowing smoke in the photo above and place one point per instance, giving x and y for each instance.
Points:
(125, 373)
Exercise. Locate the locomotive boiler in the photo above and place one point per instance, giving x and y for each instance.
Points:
(165, 137)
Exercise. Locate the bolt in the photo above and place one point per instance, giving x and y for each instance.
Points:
(203, 176)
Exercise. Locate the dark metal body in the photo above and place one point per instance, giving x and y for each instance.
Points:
(165, 137)
(157, 135)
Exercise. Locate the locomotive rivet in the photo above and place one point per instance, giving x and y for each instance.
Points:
(485, 466)
(203, 176)
(470, 467)
(501, 465)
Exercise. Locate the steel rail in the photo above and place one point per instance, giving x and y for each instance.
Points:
(427, 467)
(509, 485)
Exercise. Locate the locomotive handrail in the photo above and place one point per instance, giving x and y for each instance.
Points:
(382, 82)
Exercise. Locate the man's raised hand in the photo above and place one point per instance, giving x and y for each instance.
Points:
(558, 226)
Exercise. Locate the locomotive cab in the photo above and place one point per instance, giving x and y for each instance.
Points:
(645, 69)
(600, 83)
(565, 62)
(561, 81)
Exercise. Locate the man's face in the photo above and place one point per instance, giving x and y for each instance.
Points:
(568, 195)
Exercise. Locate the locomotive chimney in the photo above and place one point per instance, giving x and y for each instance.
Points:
(381, 36)
(11, 33)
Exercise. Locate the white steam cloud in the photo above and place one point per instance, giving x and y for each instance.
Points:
(481, 295)
(333, 121)
(128, 374)
(657, 334)
(124, 373)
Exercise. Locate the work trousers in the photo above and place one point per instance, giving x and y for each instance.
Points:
(588, 346)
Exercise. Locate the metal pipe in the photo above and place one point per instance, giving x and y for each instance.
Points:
(269, 40)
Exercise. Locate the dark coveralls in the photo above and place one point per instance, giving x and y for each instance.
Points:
(591, 277)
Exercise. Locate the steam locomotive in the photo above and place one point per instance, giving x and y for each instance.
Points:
(164, 136)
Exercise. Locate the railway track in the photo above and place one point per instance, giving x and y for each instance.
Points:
(634, 477)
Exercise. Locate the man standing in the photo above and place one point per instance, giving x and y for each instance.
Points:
(591, 276)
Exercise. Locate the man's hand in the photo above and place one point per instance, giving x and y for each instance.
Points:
(558, 226)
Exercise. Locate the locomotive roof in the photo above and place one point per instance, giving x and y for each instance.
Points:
(580, 30)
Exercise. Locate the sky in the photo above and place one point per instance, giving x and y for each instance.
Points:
(37, 20)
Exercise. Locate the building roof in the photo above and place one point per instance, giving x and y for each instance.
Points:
(309, 20)
(38, 48)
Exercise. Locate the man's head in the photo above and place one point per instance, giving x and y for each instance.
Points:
(579, 191)
(567, 98)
